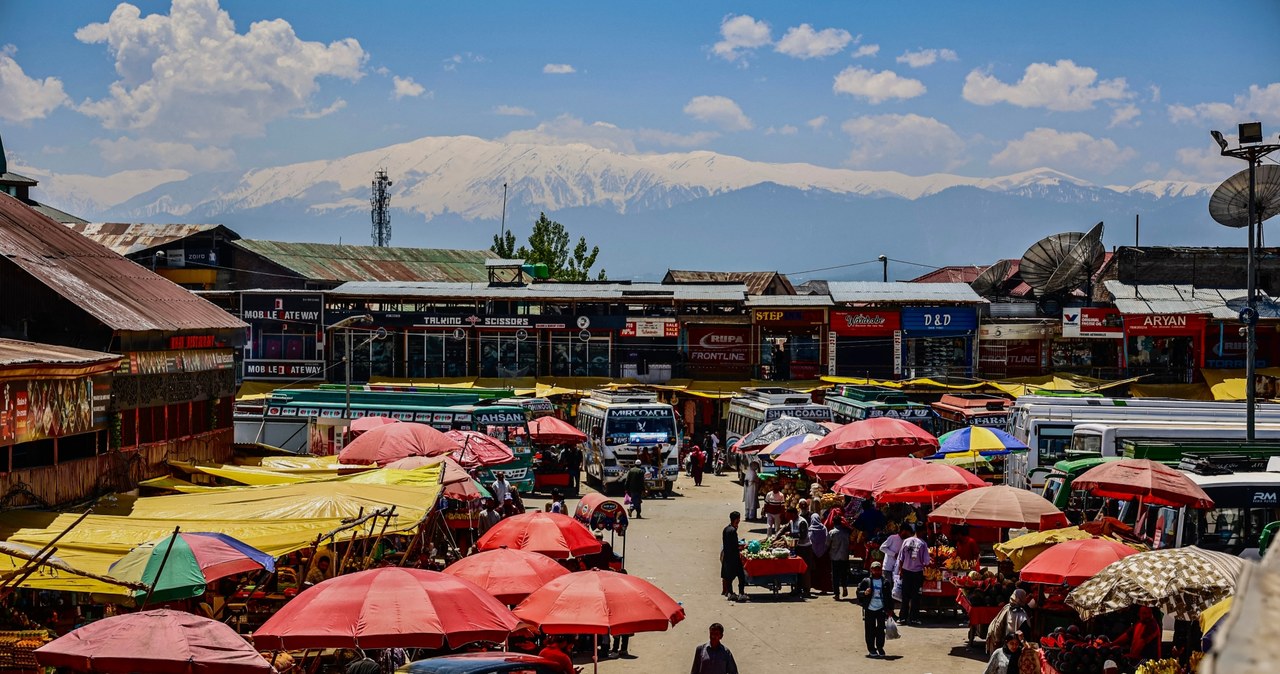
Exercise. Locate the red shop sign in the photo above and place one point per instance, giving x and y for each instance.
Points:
(1165, 324)
(860, 323)
(720, 348)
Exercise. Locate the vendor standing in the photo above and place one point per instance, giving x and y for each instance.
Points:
(799, 528)
(731, 561)
(750, 489)
(966, 547)
(1143, 639)
(775, 506)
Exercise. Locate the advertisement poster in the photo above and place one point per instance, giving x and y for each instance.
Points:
(720, 349)
(39, 409)
(1092, 323)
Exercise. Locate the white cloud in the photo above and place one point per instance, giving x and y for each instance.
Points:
(803, 42)
(190, 75)
(166, 155)
(784, 130)
(718, 110)
(558, 69)
(451, 64)
(817, 122)
(927, 57)
(403, 87)
(1205, 163)
(1155, 93)
(1256, 104)
(903, 142)
(337, 105)
(567, 129)
(24, 98)
(876, 87)
(512, 111)
(87, 194)
(866, 50)
(1063, 150)
(739, 34)
(1125, 116)
(1063, 86)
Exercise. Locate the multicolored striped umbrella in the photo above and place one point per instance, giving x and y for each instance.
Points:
(179, 566)
(988, 441)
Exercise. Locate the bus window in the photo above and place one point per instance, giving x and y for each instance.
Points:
(1052, 486)
(1053, 443)
(621, 428)
(1087, 442)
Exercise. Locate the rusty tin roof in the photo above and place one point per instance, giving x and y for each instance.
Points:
(340, 262)
(126, 238)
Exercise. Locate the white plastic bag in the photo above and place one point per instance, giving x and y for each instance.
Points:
(897, 588)
(891, 629)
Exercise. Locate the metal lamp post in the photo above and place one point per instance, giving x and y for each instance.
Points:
(346, 360)
(1252, 150)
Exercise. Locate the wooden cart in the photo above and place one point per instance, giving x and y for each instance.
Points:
(979, 616)
(774, 573)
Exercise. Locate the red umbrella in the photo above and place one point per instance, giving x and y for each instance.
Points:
(552, 534)
(479, 449)
(1146, 480)
(369, 423)
(391, 442)
(796, 456)
(552, 431)
(865, 479)
(829, 425)
(453, 473)
(930, 483)
(999, 506)
(1074, 562)
(828, 472)
(599, 602)
(875, 438)
(509, 575)
(470, 490)
(388, 607)
(154, 642)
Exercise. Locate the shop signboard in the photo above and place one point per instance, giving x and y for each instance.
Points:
(897, 353)
(37, 409)
(720, 349)
(865, 323)
(1165, 324)
(939, 320)
(291, 308)
(651, 327)
(1005, 332)
(1092, 323)
(782, 317)
(173, 362)
(292, 370)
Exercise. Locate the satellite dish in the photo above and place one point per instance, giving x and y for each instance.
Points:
(1229, 204)
(1060, 263)
(991, 277)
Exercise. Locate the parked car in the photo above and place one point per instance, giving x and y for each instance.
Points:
(482, 663)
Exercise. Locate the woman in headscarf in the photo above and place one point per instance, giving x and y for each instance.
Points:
(750, 484)
(820, 572)
(1008, 621)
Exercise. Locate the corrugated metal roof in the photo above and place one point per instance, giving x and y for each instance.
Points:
(1220, 303)
(56, 214)
(756, 281)
(126, 238)
(338, 262)
(952, 274)
(11, 178)
(117, 292)
(843, 292)
(617, 292)
(755, 301)
(18, 352)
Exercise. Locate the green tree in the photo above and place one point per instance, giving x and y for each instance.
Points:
(504, 245)
(549, 245)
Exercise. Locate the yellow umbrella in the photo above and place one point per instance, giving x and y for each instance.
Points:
(970, 460)
(1210, 616)
(1024, 548)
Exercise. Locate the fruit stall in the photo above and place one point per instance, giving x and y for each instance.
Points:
(771, 563)
(938, 594)
(980, 595)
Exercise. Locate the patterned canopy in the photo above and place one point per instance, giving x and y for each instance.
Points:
(1181, 581)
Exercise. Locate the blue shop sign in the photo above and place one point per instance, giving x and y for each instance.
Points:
(939, 320)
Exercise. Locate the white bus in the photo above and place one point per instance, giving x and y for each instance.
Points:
(623, 426)
(1105, 439)
(757, 405)
(1243, 503)
(1045, 424)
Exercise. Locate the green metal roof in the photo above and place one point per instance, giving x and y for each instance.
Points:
(338, 262)
(1075, 466)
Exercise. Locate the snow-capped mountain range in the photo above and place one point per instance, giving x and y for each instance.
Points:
(448, 192)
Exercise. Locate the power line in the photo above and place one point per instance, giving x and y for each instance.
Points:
(839, 266)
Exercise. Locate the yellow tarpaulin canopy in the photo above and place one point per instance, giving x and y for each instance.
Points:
(1024, 548)
(1229, 384)
(1210, 616)
(277, 520)
(424, 476)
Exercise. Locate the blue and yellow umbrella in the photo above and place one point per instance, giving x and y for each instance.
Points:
(987, 441)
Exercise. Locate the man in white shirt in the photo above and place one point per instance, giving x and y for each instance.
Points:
(891, 547)
(912, 560)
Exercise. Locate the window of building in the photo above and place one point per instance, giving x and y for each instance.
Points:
(503, 354)
(436, 354)
(572, 357)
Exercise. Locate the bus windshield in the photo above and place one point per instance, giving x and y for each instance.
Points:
(515, 437)
(1087, 442)
(620, 430)
(1053, 443)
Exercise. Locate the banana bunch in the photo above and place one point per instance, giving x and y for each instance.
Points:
(1165, 666)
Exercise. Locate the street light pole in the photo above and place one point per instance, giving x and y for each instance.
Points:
(345, 323)
(1252, 150)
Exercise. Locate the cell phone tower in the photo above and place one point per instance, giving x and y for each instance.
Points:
(381, 203)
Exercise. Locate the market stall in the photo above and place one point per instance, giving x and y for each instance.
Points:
(772, 563)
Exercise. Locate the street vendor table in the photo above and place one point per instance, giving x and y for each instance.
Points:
(979, 616)
(774, 573)
(938, 596)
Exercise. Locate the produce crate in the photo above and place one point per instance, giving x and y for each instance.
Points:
(18, 648)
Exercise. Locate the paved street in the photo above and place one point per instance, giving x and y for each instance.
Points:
(676, 546)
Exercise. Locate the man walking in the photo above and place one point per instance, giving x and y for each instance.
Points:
(731, 561)
(634, 484)
(712, 657)
(875, 594)
(912, 560)
(838, 550)
(572, 458)
(500, 487)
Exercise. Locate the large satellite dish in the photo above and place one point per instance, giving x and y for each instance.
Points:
(1062, 262)
(991, 277)
(1229, 204)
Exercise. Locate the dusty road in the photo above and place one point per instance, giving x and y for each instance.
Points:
(676, 546)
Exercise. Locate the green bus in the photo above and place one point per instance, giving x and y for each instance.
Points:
(850, 403)
(315, 421)
(1057, 484)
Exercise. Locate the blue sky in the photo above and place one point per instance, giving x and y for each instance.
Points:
(1113, 92)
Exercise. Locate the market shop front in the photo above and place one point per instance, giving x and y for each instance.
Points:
(1011, 349)
(791, 341)
(285, 337)
(939, 341)
(865, 343)
(1091, 342)
(649, 349)
(1167, 348)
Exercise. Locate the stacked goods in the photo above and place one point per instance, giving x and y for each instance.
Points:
(981, 588)
(1070, 652)
(828, 501)
(1165, 666)
(776, 547)
(17, 649)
